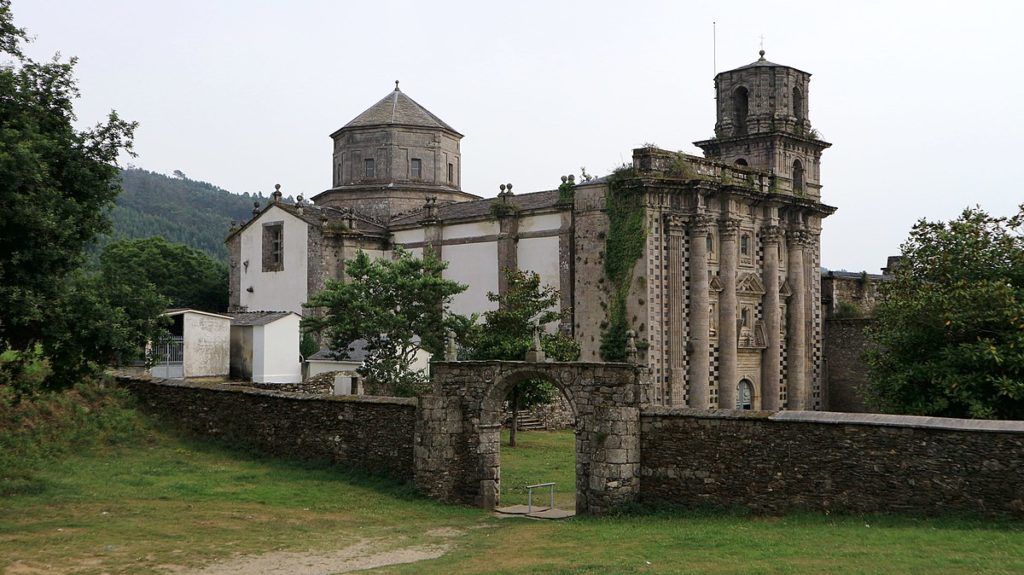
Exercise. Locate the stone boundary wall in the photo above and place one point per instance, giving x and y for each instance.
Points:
(773, 463)
(844, 344)
(374, 434)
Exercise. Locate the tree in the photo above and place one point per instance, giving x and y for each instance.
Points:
(507, 333)
(185, 276)
(100, 319)
(949, 335)
(398, 306)
(58, 185)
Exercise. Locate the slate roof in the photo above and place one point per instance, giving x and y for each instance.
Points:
(175, 311)
(482, 208)
(356, 352)
(398, 109)
(314, 215)
(761, 63)
(248, 318)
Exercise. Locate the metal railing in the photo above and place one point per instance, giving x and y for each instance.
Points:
(171, 352)
(529, 496)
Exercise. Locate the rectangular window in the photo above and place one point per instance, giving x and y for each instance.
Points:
(416, 169)
(273, 246)
(369, 168)
(451, 173)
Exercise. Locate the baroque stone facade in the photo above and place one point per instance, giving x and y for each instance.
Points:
(723, 295)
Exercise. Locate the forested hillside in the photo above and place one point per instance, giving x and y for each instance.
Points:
(197, 214)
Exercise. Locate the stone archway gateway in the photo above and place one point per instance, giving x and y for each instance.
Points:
(458, 427)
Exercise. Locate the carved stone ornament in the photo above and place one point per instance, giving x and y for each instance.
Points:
(675, 224)
(772, 233)
(699, 223)
(729, 228)
(800, 237)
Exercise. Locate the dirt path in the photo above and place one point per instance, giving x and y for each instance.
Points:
(356, 557)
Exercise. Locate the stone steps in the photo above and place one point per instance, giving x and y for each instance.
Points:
(527, 422)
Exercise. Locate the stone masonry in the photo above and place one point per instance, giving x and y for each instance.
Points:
(374, 434)
(457, 443)
(772, 463)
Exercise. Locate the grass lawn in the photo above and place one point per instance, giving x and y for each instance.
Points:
(163, 504)
(539, 457)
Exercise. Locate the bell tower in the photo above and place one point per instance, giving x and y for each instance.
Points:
(763, 122)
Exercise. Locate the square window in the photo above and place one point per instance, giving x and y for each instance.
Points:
(451, 173)
(416, 169)
(369, 168)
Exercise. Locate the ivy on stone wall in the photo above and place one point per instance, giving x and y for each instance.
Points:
(624, 245)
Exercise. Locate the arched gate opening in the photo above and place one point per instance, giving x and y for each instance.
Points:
(458, 430)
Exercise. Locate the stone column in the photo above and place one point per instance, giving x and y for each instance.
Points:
(796, 344)
(566, 271)
(699, 344)
(770, 362)
(508, 256)
(728, 230)
(432, 237)
(675, 395)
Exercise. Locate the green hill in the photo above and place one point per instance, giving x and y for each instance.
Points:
(190, 212)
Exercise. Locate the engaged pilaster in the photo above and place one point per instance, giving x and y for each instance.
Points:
(727, 341)
(699, 345)
(676, 392)
(796, 345)
(771, 367)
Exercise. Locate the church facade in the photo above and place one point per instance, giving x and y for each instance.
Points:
(712, 263)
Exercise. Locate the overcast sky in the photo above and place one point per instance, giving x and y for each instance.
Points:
(922, 100)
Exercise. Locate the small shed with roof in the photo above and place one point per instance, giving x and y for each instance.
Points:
(197, 347)
(265, 347)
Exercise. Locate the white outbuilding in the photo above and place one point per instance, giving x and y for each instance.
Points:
(265, 347)
(198, 345)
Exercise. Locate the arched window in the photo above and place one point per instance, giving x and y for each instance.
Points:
(710, 243)
(740, 104)
(798, 104)
(798, 176)
(745, 395)
(741, 162)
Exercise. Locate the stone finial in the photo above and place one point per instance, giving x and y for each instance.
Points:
(505, 193)
(761, 53)
(451, 349)
(430, 207)
(396, 86)
(276, 196)
(632, 354)
(565, 179)
(255, 209)
(536, 353)
(572, 179)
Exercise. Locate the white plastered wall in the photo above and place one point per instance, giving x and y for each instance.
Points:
(276, 351)
(541, 255)
(283, 290)
(207, 345)
(474, 264)
(477, 266)
(403, 237)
